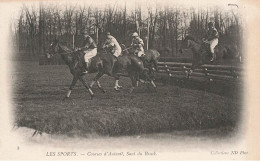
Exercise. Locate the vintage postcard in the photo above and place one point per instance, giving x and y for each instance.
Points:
(129, 80)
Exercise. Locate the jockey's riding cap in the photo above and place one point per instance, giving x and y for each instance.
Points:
(135, 34)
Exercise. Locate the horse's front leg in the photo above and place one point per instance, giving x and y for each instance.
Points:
(189, 71)
(153, 84)
(86, 85)
(73, 83)
(99, 75)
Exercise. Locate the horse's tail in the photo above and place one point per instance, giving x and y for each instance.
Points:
(155, 58)
(155, 53)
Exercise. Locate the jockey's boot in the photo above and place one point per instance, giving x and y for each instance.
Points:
(86, 68)
(212, 57)
(142, 56)
(115, 57)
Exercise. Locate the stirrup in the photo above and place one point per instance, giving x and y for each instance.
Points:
(115, 57)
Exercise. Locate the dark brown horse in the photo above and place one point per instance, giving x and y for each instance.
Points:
(150, 60)
(200, 53)
(103, 63)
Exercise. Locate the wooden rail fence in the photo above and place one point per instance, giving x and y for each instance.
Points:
(223, 72)
(180, 69)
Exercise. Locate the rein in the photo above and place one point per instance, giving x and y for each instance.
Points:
(127, 49)
(65, 51)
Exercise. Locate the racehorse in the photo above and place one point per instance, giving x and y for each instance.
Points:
(101, 63)
(150, 59)
(200, 52)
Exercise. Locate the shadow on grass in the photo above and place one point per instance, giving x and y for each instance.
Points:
(229, 88)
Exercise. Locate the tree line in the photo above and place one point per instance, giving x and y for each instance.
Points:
(161, 27)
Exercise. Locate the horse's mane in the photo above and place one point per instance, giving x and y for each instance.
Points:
(191, 38)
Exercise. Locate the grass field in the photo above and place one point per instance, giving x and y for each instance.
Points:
(177, 105)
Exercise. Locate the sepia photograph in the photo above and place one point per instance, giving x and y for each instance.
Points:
(128, 80)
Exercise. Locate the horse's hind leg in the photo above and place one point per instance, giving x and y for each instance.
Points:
(117, 86)
(133, 79)
(88, 88)
(74, 81)
(155, 65)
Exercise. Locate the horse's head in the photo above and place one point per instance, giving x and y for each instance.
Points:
(185, 44)
(53, 49)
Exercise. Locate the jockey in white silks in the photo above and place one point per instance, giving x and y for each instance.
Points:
(212, 39)
(89, 47)
(138, 45)
(111, 42)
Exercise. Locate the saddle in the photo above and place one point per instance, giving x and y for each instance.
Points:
(79, 58)
(206, 48)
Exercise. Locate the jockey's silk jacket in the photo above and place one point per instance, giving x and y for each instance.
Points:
(137, 43)
(112, 42)
(212, 34)
(88, 43)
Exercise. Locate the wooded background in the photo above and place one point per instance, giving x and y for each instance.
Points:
(162, 27)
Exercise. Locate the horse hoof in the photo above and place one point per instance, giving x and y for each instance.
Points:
(116, 89)
(91, 97)
(103, 91)
(142, 81)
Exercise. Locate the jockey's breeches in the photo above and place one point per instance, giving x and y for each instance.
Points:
(117, 52)
(213, 43)
(89, 54)
(139, 52)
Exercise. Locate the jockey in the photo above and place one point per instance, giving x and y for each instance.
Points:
(89, 47)
(111, 42)
(138, 45)
(212, 39)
